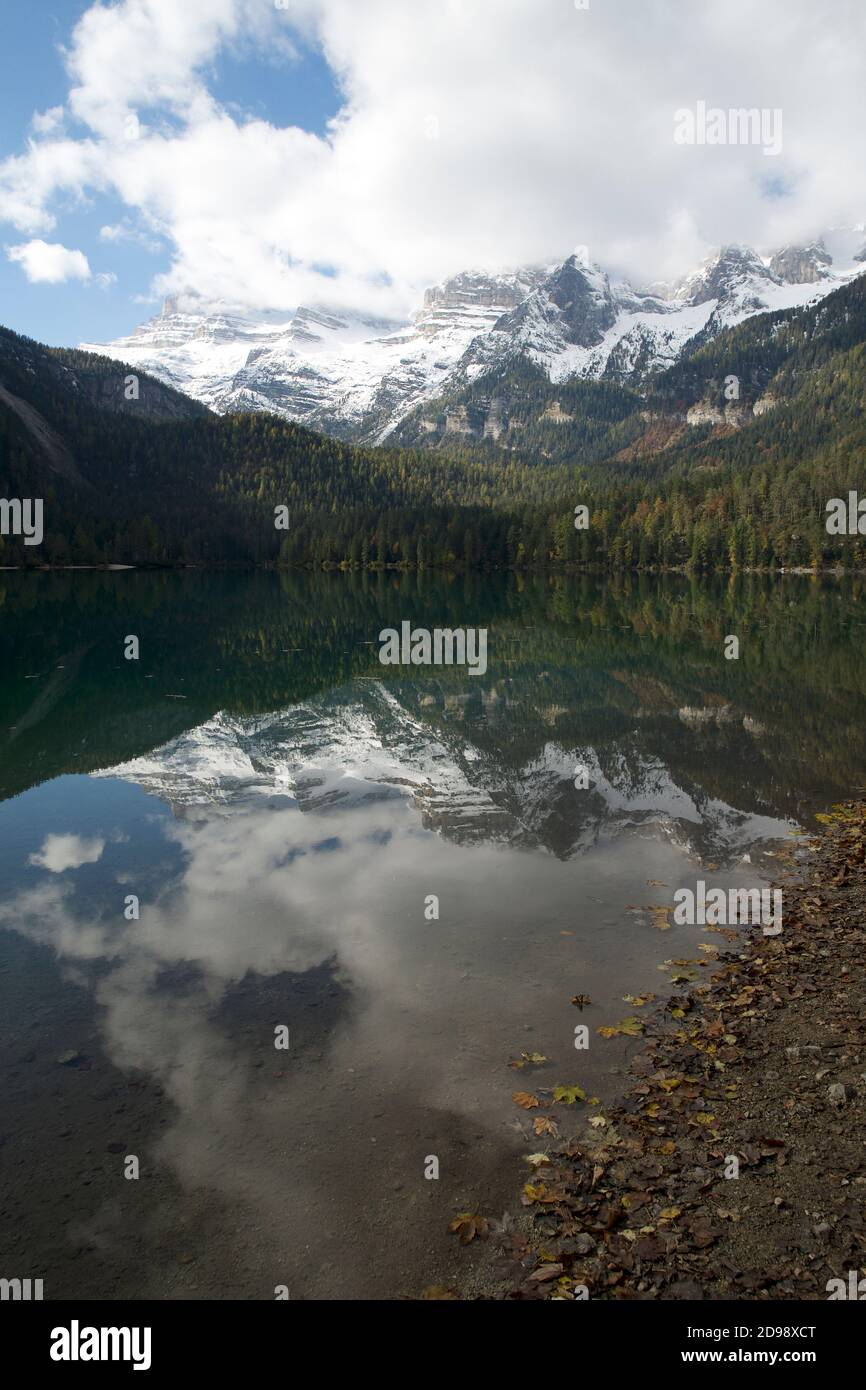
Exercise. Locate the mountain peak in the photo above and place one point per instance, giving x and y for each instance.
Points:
(802, 265)
(349, 374)
(732, 269)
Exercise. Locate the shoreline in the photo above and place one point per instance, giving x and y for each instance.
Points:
(733, 1166)
(829, 571)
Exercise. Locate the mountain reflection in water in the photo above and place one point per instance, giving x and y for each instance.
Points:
(284, 807)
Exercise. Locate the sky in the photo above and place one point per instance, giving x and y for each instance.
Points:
(261, 154)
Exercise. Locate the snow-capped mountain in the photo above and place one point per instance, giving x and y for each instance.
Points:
(345, 374)
(357, 377)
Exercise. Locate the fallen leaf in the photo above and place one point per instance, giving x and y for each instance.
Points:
(528, 1059)
(631, 1027)
(524, 1099)
(545, 1124)
(545, 1272)
(567, 1095)
(467, 1225)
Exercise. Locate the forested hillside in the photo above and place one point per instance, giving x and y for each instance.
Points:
(697, 474)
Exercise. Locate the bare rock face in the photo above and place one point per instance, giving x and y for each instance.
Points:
(584, 301)
(575, 302)
(475, 290)
(734, 413)
(802, 265)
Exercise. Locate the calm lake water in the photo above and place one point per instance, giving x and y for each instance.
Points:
(284, 808)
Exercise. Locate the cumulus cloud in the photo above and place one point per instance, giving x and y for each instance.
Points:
(61, 852)
(49, 263)
(472, 133)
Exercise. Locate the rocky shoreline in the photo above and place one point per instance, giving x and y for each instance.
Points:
(734, 1166)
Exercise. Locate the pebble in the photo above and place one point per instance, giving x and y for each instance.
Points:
(68, 1059)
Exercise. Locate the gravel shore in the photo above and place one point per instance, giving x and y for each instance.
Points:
(734, 1167)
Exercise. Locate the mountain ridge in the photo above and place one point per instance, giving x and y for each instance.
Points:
(359, 378)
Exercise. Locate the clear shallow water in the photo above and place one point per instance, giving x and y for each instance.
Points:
(283, 806)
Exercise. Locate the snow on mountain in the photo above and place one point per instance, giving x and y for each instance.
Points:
(343, 373)
(579, 323)
(357, 377)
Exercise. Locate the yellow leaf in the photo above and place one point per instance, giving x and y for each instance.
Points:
(632, 1027)
(567, 1095)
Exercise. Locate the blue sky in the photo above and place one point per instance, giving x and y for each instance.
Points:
(33, 78)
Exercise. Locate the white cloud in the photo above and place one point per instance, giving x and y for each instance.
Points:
(48, 122)
(61, 852)
(49, 263)
(553, 126)
(125, 231)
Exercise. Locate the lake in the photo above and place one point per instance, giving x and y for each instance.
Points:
(257, 833)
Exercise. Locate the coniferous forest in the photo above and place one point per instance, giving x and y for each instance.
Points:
(159, 480)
